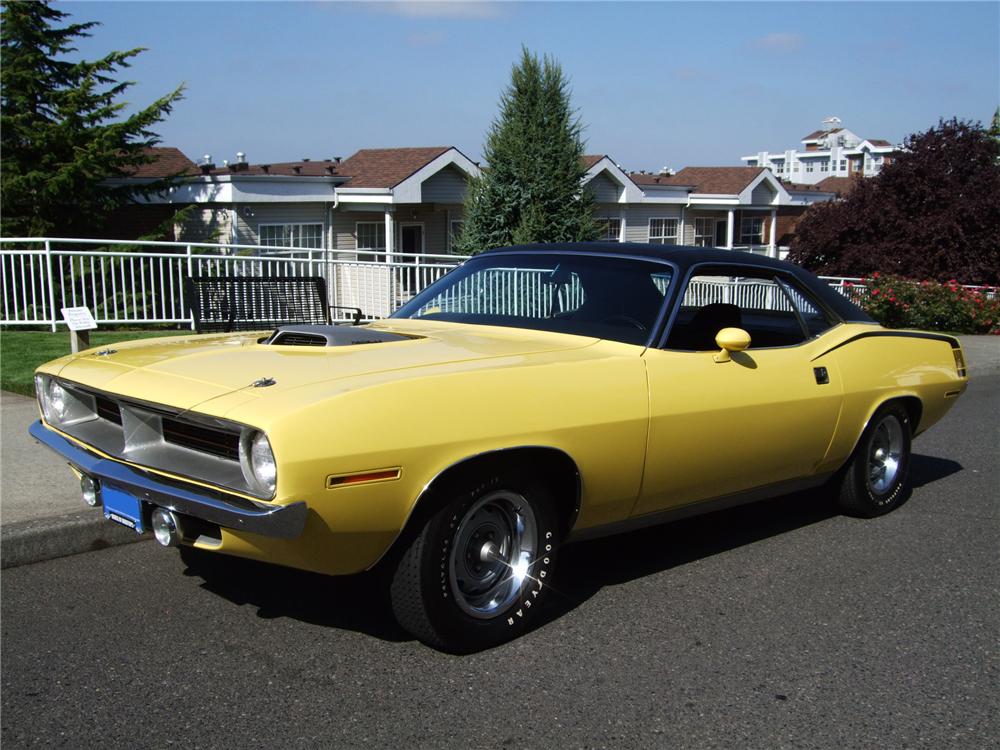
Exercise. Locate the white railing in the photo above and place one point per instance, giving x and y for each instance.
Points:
(140, 282)
(143, 282)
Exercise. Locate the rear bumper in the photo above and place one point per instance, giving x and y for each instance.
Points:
(280, 521)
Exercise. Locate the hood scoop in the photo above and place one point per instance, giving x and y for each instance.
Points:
(323, 335)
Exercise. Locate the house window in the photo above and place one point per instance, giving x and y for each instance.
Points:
(609, 229)
(370, 236)
(290, 235)
(843, 165)
(752, 230)
(663, 231)
(824, 166)
(809, 166)
(704, 232)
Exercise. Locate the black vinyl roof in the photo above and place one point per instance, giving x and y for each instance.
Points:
(686, 258)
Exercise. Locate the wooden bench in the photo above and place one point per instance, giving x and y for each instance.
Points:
(220, 304)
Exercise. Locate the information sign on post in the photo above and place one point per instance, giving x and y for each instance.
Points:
(80, 323)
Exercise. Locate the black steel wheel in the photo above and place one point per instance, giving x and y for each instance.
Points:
(874, 482)
(478, 570)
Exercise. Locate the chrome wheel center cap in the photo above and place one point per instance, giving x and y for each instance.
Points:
(489, 552)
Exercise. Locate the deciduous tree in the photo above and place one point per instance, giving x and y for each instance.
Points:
(531, 189)
(934, 213)
(63, 131)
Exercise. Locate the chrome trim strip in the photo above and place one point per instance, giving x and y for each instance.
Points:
(281, 521)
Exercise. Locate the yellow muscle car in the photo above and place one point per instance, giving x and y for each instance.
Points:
(534, 396)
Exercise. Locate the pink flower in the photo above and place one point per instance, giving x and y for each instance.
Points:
(875, 275)
(875, 292)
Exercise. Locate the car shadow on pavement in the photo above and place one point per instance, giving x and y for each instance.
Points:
(927, 469)
(361, 603)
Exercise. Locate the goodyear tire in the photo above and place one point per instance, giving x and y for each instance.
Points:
(874, 482)
(476, 573)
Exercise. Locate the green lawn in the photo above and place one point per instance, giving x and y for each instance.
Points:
(22, 351)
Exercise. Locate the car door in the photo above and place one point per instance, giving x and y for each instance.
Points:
(765, 417)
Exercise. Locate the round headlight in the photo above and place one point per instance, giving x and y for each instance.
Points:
(58, 399)
(258, 462)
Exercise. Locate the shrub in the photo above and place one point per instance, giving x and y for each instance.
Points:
(900, 303)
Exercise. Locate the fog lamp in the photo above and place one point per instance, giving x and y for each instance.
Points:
(91, 491)
(165, 528)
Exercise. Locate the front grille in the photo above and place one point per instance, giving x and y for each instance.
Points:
(108, 409)
(194, 446)
(200, 438)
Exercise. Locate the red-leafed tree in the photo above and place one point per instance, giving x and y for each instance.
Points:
(934, 213)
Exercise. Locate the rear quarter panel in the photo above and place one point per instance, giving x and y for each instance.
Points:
(876, 365)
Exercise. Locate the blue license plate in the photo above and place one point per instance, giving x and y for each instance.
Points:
(123, 508)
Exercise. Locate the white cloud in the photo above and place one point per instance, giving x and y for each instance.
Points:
(439, 9)
(779, 42)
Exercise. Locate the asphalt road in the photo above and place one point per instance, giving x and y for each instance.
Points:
(776, 625)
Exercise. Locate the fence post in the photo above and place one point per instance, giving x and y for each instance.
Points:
(52, 288)
(190, 274)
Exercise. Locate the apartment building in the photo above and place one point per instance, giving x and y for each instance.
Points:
(832, 151)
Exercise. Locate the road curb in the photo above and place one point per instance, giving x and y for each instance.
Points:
(26, 542)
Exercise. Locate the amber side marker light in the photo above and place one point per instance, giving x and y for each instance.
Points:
(363, 477)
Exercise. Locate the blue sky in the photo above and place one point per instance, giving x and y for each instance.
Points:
(656, 83)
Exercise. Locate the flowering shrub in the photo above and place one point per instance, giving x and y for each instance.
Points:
(899, 303)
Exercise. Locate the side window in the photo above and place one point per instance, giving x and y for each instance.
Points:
(813, 318)
(770, 309)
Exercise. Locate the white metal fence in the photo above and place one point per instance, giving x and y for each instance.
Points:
(138, 282)
(143, 282)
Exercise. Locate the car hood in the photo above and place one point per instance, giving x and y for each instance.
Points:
(187, 371)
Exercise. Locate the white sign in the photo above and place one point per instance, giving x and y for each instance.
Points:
(79, 319)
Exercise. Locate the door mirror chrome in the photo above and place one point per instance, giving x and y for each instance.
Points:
(730, 340)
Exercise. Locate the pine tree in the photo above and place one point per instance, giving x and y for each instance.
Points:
(995, 131)
(61, 131)
(531, 189)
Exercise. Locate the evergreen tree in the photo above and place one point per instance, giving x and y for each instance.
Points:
(933, 213)
(995, 131)
(61, 131)
(531, 189)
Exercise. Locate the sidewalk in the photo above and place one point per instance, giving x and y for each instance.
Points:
(42, 515)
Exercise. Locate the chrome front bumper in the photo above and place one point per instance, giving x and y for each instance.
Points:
(281, 521)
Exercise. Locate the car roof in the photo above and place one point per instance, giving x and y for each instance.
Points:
(680, 255)
(685, 257)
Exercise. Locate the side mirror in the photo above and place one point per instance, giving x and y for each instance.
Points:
(730, 340)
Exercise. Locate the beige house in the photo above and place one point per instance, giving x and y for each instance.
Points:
(403, 200)
(409, 200)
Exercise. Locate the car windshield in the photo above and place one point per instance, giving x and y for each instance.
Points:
(617, 298)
